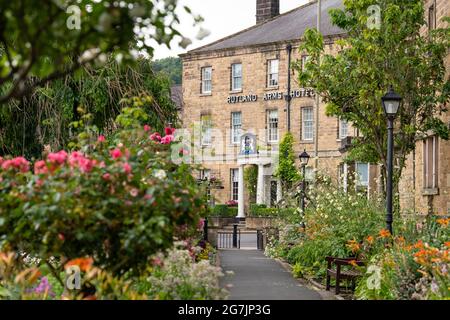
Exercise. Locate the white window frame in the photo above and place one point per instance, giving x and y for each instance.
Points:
(359, 182)
(236, 127)
(206, 80)
(272, 126)
(235, 76)
(272, 72)
(430, 143)
(308, 124)
(343, 129)
(206, 129)
(234, 180)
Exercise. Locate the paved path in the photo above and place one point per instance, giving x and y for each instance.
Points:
(257, 277)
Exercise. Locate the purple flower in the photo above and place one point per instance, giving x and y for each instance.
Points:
(44, 287)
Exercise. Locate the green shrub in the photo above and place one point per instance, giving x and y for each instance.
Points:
(118, 205)
(223, 210)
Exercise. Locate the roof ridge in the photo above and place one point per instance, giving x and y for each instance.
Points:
(251, 28)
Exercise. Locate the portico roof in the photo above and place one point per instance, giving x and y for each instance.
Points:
(286, 27)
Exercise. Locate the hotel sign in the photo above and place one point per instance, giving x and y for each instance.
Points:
(301, 93)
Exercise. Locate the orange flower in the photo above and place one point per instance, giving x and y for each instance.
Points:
(353, 245)
(384, 233)
(443, 222)
(353, 263)
(369, 239)
(419, 245)
(85, 264)
(447, 244)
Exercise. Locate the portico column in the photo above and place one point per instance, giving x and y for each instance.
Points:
(241, 213)
(260, 185)
(279, 192)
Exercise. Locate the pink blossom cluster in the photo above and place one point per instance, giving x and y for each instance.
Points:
(167, 139)
(20, 163)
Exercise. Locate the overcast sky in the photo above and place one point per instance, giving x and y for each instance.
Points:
(222, 18)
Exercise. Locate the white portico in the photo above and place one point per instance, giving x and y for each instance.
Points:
(265, 161)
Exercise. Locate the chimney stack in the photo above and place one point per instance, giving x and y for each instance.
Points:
(266, 9)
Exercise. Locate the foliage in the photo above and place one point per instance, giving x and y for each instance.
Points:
(42, 40)
(261, 210)
(332, 218)
(286, 171)
(52, 115)
(170, 66)
(369, 60)
(251, 181)
(177, 276)
(411, 267)
(117, 203)
(223, 210)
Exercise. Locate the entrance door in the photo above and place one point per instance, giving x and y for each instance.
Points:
(273, 193)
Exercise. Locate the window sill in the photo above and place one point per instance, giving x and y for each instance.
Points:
(306, 141)
(205, 94)
(236, 91)
(430, 192)
(272, 88)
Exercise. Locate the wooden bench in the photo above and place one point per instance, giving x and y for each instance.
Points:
(340, 274)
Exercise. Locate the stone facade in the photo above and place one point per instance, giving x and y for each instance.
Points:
(415, 196)
(254, 60)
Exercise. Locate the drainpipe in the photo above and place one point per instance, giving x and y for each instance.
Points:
(316, 138)
(288, 94)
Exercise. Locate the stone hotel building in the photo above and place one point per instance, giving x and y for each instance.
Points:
(234, 93)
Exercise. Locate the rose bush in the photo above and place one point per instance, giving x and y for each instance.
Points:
(118, 199)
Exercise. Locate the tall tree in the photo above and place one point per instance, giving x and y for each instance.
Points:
(395, 52)
(286, 171)
(43, 40)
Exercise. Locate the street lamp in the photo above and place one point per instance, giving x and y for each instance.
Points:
(391, 103)
(304, 158)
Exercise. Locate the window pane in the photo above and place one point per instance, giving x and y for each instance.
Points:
(362, 171)
(236, 77)
(343, 129)
(307, 124)
(272, 121)
(206, 129)
(236, 125)
(206, 80)
(272, 73)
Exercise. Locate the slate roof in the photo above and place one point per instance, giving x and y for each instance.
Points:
(288, 26)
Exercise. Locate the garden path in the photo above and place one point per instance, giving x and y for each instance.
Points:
(257, 277)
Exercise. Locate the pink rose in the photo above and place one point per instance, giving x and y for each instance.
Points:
(169, 131)
(167, 139)
(147, 128)
(57, 158)
(126, 168)
(40, 167)
(116, 153)
(19, 163)
(106, 176)
(101, 138)
(155, 137)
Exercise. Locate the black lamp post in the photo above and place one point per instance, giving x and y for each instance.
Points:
(391, 103)
(304, 158)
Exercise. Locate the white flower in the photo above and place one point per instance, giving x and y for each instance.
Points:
(88, 55)
(160, 174)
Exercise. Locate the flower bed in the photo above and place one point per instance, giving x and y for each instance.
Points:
(113, 203)
(412, 265)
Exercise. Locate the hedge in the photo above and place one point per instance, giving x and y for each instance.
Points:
(223, 210)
